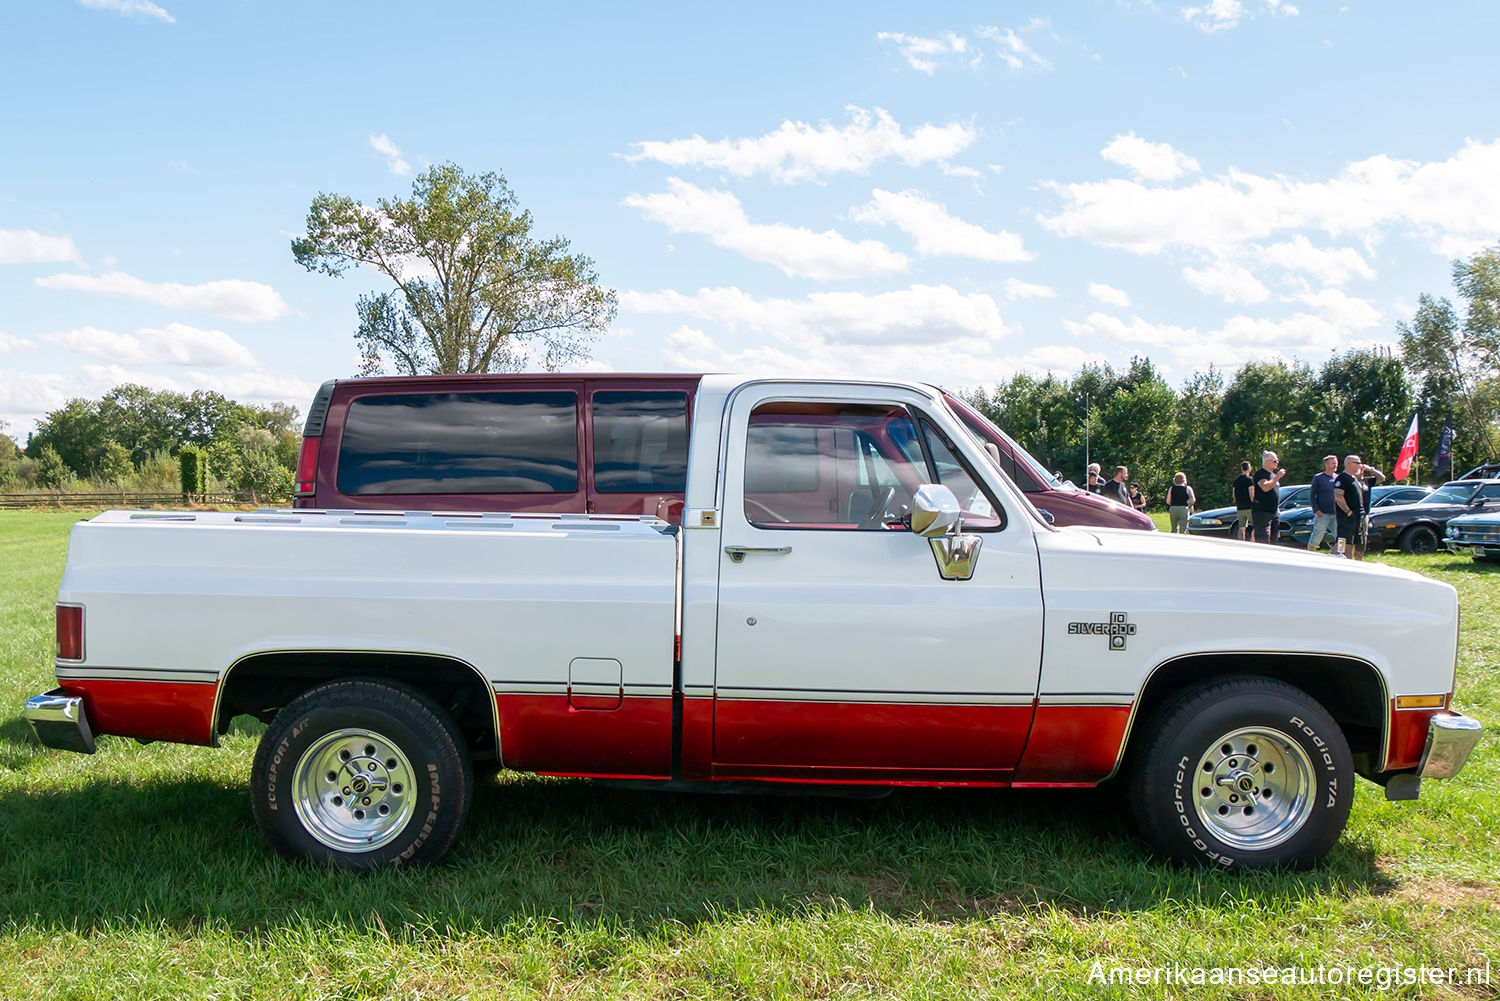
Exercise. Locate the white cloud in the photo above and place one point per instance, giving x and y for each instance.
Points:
(1148, 161)
(692, 349)
(130, 8)
(937, 232)
(1012, 49)
(921, 315)
(233, 299)
(687, 208)
(1302, 335)
(1228, 281)
(923, 54)
(394, 161)
(10, 344)
(798, 152)
(1453, 204)
(1344, 311)
(176, 344)
(27, 246)
(1017, 289)
(1109, 295)
(1222, 15)
(1329, 267)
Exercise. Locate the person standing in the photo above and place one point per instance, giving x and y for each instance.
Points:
(1244, 490)
(1094, 482)
(1180, 500)
(1325, 509)
(1115, 489)
(1353, 500)
(1266, 502)
(1137, 499)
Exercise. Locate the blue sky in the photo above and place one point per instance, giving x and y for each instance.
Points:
(947, 192)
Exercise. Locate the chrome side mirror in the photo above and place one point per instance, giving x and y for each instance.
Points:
(935, 511)
(1047, 515)
(936, 517)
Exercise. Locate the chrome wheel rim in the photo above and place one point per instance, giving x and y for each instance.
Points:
(1253, 788)
(353, 790)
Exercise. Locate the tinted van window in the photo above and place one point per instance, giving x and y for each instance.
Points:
(460, 443)
(640, 442)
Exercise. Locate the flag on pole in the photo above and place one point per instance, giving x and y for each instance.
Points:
(1408, 452)
(1443, 464)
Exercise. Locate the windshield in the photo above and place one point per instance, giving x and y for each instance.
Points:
(984, 431)
(1452, 493)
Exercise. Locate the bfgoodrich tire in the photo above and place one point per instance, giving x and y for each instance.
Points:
(1243, 772)
(362, 774)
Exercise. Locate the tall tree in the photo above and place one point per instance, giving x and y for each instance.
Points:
(475, 290)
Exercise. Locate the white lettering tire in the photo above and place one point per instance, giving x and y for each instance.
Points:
(362, 774)
(1243, 772)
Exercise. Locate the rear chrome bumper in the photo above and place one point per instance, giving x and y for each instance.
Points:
(59, 721)
(1450, 738)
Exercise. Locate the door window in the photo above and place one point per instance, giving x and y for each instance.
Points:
(830, 466)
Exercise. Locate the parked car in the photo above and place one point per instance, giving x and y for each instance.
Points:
(1221, 521)
(1475, 534)
(1297, 525)
(1419, 527)
(556, 443)
(854, 595)
(1483, 471)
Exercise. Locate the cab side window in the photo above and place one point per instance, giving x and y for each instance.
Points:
(830, 466)
(980, 511)
(640, 441)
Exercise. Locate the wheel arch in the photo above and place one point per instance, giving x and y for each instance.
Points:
(1351, 689)
(260, 684)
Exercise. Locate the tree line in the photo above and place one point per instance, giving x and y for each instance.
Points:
(132, 438)
(1447, 366)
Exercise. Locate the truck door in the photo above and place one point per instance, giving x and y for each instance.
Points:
(842, 652)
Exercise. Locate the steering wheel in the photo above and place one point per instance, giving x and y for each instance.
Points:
(771, 515)
(876, 517)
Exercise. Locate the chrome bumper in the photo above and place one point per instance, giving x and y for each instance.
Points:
(60, 721)
(1485, 548)
(1450, 738)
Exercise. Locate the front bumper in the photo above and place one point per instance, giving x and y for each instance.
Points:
(1450, 738)
(59, 720)
(1473, 548)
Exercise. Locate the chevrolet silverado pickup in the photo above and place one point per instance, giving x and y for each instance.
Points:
(856, 595)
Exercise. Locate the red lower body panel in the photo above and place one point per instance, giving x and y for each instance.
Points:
(865, 741)
(1072, 745)
(543, 733)
(151, 710)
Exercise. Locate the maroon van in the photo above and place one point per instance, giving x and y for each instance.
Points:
(592, 442)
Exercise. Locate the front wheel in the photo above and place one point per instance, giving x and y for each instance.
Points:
(361, 774)
(1243, 772)
(1419, 539)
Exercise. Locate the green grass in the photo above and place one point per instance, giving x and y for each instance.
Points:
(138, 873)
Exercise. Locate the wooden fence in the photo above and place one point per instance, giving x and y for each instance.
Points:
(126, 498)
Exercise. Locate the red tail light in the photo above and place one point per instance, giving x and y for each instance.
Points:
(69, 632)
(307, 468)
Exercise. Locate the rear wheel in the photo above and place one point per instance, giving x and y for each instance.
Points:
(1244, 772)
(1419, 539)
(362, 774)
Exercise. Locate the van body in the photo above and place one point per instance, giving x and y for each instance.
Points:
(589, 443)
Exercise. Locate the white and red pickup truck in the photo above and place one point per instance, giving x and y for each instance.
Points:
(856, 596)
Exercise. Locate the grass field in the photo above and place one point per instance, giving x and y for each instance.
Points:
(138, 873)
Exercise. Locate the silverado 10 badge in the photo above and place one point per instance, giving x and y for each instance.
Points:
(1117, 628)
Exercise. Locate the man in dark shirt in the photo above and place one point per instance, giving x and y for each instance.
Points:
(1264, 504)
(1243, 485)
(1116, 489)
(1353, 499)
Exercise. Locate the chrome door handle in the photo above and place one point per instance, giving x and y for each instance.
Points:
(737, 553)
